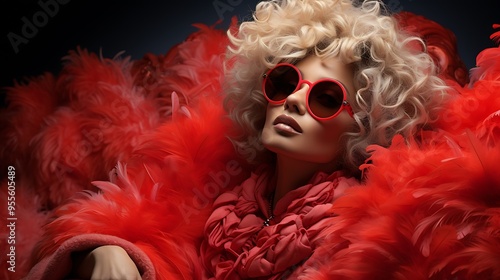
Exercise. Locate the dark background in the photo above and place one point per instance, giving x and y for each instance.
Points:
(138, 27)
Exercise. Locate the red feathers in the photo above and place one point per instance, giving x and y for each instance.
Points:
(61, 133)
(496, 36)
(441, 45)
(487, 64)
(191, 69)
(427, 210)
(174, 164)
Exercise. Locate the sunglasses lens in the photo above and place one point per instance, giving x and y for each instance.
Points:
(281, 82)
(325, 99)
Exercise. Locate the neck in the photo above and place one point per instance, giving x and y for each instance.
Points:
(291, 174)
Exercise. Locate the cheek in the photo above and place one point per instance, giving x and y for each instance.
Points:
(271, 114)
(328, 140)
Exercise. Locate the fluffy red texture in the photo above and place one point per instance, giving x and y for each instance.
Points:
(425, 212)
(64, 131)
(28, 228)
(488, 62)
(178, 164)
(441, 44)
(72, 129)
(479, 101)
(83, 73)
(191, 69)
(82, 141)
(28, 105)
(471, 108)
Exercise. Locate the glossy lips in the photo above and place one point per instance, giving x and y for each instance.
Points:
(286, 123)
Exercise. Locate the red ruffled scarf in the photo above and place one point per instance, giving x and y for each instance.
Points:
(238, 245)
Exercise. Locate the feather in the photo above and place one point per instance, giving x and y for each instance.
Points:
(441, 44)
(148, 196)
(488, 61)
(471, 107)
(20, 121)
(97, 111)
(28, 228)
(496, 35)
(419, 214)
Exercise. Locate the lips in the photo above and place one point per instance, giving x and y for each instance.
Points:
(289, 121)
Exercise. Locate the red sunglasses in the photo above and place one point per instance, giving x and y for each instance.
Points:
(325, 99)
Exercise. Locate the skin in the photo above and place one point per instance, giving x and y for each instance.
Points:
(318, 146)
(106, 262)
(299, 156)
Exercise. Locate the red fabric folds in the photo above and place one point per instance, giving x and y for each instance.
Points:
(238, 245)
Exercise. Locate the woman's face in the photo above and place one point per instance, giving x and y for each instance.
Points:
(309, 140)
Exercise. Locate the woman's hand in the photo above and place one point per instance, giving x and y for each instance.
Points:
(106, 262)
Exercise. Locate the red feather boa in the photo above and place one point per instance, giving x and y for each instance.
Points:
(428, 210)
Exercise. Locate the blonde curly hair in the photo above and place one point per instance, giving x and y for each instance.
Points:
(397, 90)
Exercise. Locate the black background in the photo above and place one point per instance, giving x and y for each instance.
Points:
(138, 27)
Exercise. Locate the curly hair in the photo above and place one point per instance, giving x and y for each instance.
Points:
(397, 89)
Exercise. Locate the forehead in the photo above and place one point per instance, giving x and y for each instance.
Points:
(314, 68)
(326, 67)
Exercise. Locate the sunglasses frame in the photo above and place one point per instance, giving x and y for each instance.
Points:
(345, 104)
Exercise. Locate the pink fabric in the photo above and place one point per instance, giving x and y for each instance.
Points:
(238, 245)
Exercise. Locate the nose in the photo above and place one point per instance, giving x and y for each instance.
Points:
(296, 102)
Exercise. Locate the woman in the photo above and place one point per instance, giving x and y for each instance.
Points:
(315, 82)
